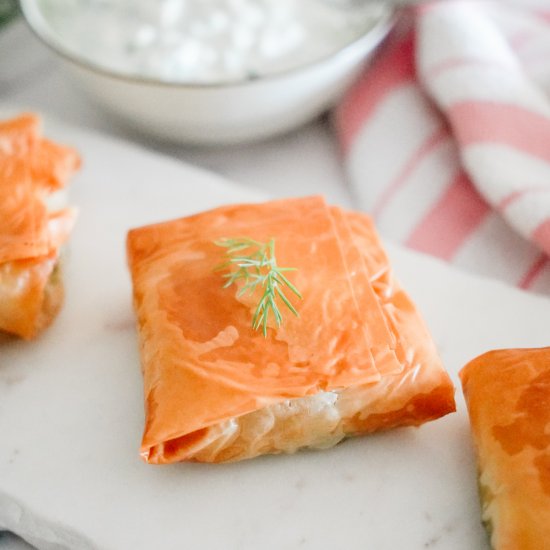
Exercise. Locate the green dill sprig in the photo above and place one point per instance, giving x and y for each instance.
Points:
(255, 264)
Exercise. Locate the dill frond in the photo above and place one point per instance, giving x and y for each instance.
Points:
(254, 263)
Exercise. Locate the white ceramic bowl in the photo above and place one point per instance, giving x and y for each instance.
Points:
(216, 113)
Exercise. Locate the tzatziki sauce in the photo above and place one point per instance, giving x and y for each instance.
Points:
(207, 41)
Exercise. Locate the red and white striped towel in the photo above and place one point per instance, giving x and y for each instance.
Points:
(446, 137)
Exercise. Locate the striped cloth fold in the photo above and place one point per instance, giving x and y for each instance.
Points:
(446, 137)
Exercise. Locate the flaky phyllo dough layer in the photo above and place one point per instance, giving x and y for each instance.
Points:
(32, 171)
(357, 359)
(508, 397)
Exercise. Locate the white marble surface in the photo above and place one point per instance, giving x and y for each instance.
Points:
(71, 408)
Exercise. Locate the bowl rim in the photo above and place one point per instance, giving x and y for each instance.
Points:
(38, 24)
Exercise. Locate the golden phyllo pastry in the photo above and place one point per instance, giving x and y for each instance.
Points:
(357, 358)
(508, 397)
(33, 171)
